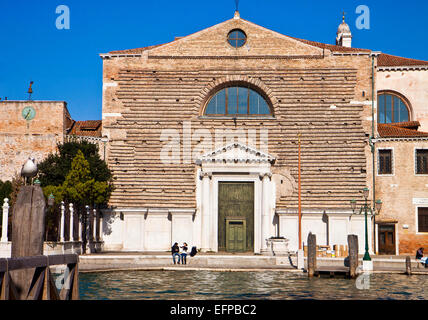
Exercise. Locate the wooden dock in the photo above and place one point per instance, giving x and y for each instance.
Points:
(332, 271)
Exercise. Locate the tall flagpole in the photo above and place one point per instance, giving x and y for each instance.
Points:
(300, 200)
(300, 254)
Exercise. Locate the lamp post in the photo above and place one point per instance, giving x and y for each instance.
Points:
(51, 200)
(366, 208)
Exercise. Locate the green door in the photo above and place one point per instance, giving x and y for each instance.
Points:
(235, 236)
(236, 216)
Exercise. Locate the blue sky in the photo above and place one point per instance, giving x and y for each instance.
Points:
(65, 65)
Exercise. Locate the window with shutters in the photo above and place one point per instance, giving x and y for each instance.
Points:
(421, 159)
(422, 219)
(384, 161)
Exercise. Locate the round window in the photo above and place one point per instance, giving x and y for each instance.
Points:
(237, 38)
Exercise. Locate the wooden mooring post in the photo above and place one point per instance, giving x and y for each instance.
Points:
(353, 255)
(26, 275)
(28, 228)
(312, 254)
(408, 266)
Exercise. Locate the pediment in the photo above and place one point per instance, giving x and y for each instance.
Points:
(236, 153)
(212, 42)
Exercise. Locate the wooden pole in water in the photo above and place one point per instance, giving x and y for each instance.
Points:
(353, 255)
(408, 266)
(312, 254)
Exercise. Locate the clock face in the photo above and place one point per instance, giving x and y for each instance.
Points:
(28, 113)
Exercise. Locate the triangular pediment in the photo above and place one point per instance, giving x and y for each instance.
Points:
(236, 153)
(212, 42)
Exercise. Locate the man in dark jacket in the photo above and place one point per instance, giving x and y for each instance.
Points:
(175, 252)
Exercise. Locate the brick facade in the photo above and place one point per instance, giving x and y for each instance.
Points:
(21, 139)
(160, 88)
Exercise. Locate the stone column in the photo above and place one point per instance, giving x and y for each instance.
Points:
(265, 210)
(61, 236)
(101, 225)
(94, 225)
(79, 224)
(206, 177)
(88, 224)
(5, 220)
(71, 210)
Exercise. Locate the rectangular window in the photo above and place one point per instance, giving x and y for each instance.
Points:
(385, 161)
(422, 161)
(422, 219)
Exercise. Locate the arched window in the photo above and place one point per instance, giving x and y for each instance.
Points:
(392, 108)
(237, 100)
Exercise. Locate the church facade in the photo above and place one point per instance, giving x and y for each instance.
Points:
(205, 131)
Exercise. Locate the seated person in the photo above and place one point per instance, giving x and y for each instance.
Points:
(420, 257)
(183, 253)
(175, 252)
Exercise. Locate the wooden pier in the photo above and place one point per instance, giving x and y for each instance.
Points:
(333, 271)
(42, 286)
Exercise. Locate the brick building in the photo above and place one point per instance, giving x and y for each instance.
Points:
(203, 141)
(34, 128)
(30, 129)
(168, 112)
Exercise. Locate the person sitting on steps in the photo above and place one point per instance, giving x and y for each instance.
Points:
(420, 257)
(175, 252)
(183, 253)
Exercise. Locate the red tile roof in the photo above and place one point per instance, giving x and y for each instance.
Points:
(387, 60)
(88, 128)
(400, 130)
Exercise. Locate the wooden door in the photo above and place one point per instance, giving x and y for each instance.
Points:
(236, 216)
(235, 236)
(386, 239)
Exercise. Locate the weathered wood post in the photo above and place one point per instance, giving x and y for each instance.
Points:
(5, 220)
(312, 254)
(408, 266)
(28, 226)
(353, 255)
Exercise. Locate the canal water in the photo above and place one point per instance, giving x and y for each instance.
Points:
(201, 285)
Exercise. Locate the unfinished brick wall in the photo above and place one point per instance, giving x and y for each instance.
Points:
(168, 85)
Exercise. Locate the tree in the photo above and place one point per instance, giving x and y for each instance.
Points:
(54, 169)
(5, 190)
(77, 175)
(79, 186)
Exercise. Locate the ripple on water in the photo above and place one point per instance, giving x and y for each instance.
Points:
(244, 285)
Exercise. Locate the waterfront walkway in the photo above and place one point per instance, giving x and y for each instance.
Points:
(113, 261)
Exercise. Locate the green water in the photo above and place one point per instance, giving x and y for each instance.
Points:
(201, 285)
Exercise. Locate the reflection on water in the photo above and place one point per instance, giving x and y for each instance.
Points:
(200, 285)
